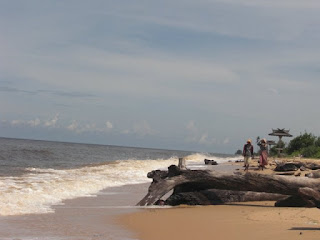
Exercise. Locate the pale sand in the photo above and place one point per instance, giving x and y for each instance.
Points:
(225, 222)
(251, 220)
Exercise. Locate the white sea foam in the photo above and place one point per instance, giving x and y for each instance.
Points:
(38, 190)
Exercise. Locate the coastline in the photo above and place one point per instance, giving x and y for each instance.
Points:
(112, 214)
(85, 218)
(249, 220)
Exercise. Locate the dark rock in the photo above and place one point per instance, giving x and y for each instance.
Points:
(210, 162)
(284, 167)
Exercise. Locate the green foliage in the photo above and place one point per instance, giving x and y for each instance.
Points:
(281, 144)
(238, 152)
(273, 151)
(317, 142)
(300, 142)
(306, 145)
(310, 151)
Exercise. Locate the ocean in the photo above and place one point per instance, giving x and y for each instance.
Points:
(37, 176)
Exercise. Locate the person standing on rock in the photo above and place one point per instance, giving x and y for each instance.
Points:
(263, 161)
(247, 154)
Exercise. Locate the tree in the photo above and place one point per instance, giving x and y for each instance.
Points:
(317, 142)
(300, 142)
(238, 152)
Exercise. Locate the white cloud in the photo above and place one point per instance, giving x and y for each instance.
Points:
(207, 56)
(109, 125)
(191, 126)
(34, 123)
(52, 122)
(17, 122)
(196, 136)
(73, 126)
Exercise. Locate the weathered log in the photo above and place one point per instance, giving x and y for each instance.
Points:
(307, 197)
(290, 173)
(216, 196)
(313, 174)
(311, 196)
(207, 179)
(296, 173)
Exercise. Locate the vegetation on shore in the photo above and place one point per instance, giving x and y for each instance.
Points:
(306, 145)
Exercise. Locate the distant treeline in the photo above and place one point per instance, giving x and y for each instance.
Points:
(305, 145)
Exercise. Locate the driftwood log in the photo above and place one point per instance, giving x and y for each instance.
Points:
(182, 181)
(216, 196)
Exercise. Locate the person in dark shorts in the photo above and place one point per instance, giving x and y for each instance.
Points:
(247, 154)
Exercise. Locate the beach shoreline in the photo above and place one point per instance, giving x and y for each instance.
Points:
(248, 220)
(112, 214)
(85, 218)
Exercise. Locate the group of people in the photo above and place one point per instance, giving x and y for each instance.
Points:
(248, 154)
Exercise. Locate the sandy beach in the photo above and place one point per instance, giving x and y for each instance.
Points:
(250, 220)
(239, 221)
(112, 215)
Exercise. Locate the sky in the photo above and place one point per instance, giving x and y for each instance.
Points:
(201, 75)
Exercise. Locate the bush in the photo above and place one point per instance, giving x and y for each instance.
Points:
(301, 142)
(238, 152)
(310, 151)
(317, 142)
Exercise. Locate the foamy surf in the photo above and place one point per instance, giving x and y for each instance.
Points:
(40, 189)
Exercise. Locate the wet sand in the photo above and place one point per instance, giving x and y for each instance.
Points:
(86, 218)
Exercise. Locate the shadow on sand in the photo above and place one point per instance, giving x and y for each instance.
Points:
(305, 229)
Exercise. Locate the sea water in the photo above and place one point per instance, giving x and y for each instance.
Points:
(36, 175)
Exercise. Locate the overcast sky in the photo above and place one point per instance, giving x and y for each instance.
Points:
(199, 75)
